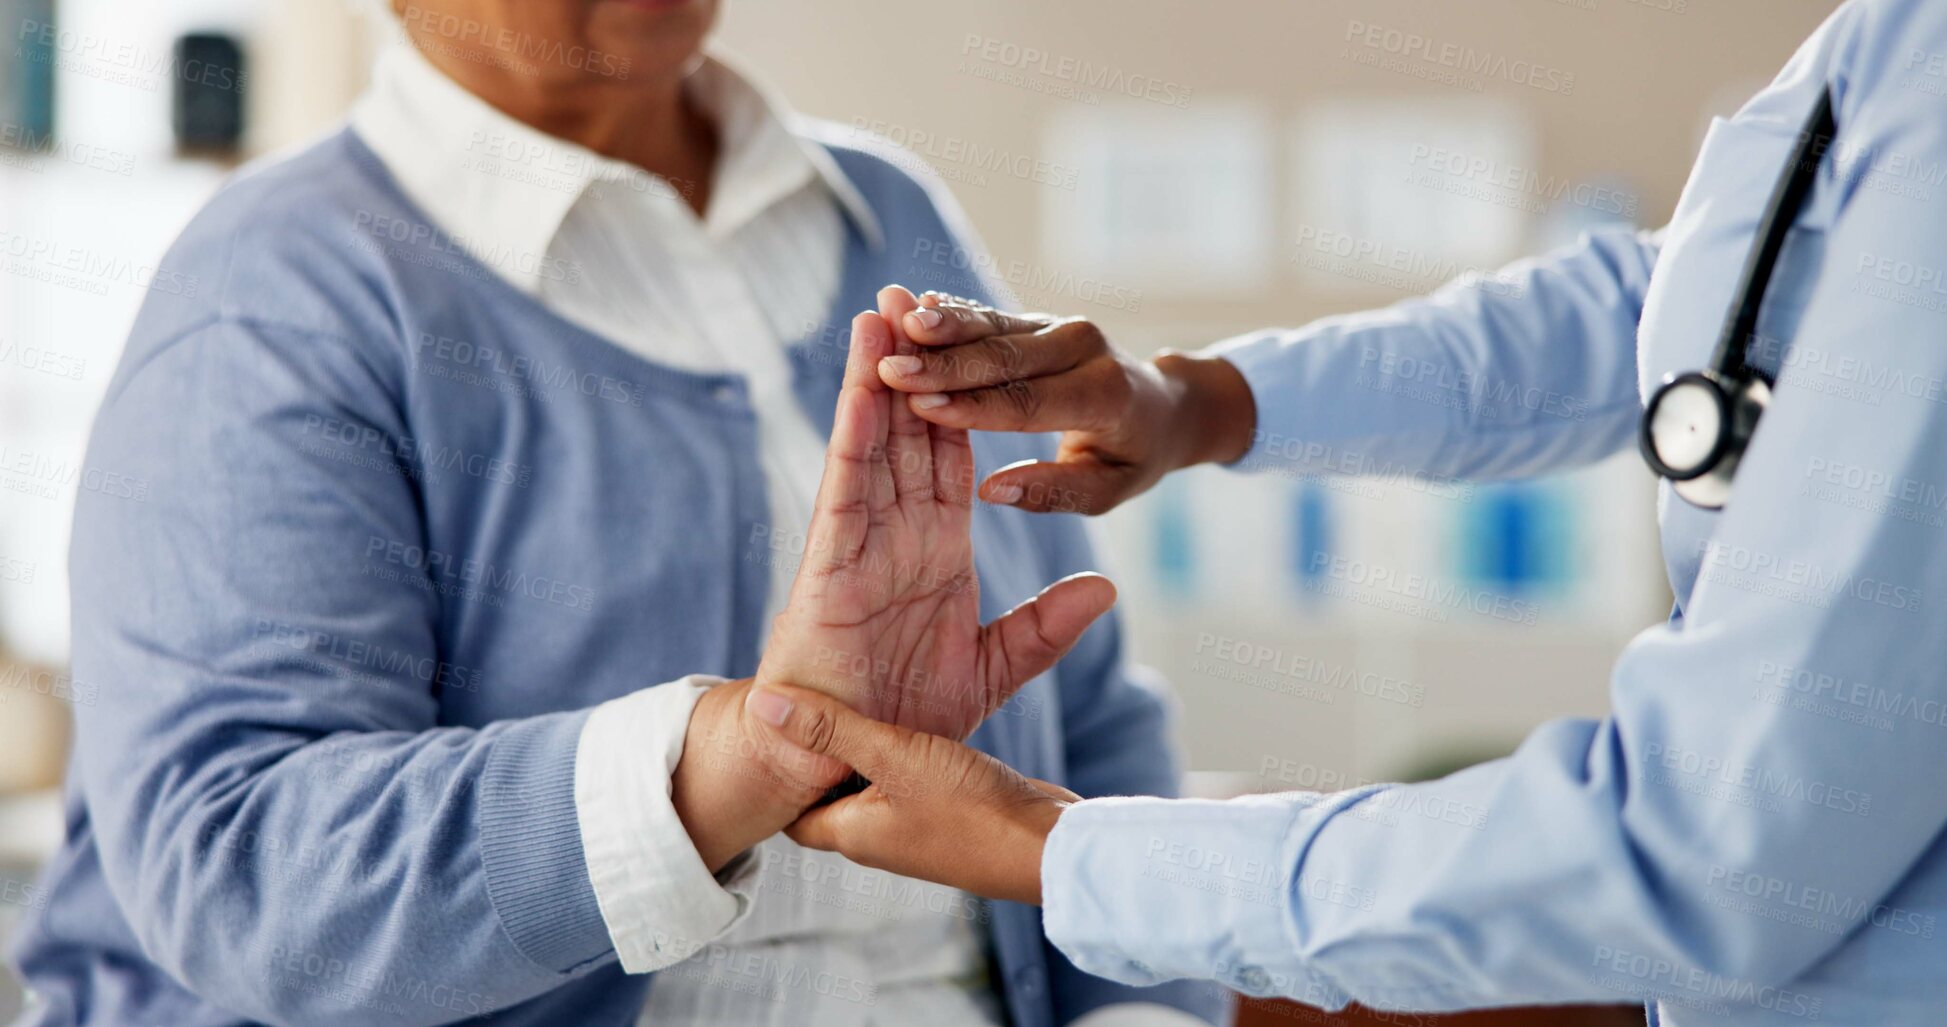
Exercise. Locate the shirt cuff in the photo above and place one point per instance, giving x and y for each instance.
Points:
(1215, 872)
(660, 902)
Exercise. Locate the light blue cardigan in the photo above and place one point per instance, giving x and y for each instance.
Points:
(398, 528)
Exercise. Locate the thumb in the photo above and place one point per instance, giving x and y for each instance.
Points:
(1078, 483)
(1029, 639)
(827, 827)
(822, 725)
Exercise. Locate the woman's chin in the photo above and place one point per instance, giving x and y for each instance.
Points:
(652, 36)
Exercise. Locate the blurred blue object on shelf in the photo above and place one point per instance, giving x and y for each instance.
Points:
(1174, 549)
(27, 74)
(1516, 538)
(1311, 536)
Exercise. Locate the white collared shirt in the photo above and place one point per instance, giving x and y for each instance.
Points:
(788, 934)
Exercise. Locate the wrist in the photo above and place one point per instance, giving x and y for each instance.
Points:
(1212, 410)
(726, 789)
(772, 779)
(1033, 825)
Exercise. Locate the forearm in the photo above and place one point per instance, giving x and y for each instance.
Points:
(265, 877)
(732, 789)
(1531, 371)
(1331, 899)
(1116, 719)
(1438, 897)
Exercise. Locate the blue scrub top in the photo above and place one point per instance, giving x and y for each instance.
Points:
(1753, 835)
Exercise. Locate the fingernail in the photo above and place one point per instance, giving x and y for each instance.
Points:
(927, 317)
(768, 706)
(1005, 495)
(930, 400)
(901, 366)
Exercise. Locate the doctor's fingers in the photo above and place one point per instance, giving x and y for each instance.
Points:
(1091, 398)
(921, 825)
(943, 320)
(824, 726)
(1077, 483)
(996, 360)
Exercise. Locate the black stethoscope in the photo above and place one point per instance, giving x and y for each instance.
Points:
(1697, 424)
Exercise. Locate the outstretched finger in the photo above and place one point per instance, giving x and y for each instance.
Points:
(1028, 639)
(872, 341)
(952, 447)
(841, 516)
(909, 439)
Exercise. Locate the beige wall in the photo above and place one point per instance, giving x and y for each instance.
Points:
(1644, 78)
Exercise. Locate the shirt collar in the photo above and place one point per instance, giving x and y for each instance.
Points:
(762, 159)
(503, 187)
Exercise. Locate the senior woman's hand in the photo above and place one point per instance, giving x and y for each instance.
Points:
(1126, 422)
(885, 610)
(937, 810)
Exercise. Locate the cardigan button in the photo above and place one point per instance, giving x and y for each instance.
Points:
(1031, 982)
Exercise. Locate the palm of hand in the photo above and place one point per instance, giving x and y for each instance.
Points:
(885, 611)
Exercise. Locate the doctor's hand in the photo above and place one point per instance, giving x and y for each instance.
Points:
(937, 810)
(1125, 422)
(885, 611)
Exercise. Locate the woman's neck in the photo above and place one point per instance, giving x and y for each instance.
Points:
(652, 124)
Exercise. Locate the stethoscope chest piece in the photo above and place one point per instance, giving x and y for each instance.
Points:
(1696, 424)
(1695, 429)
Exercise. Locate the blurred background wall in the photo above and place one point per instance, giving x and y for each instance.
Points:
(1178, 172)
